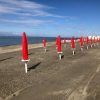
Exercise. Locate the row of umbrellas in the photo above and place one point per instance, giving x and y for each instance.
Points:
(88, 41)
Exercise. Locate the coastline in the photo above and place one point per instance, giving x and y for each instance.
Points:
(13, 48)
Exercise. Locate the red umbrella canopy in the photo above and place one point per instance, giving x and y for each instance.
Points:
(64, 40)
(91, 40)
(97, 39)
(73, 42)
(59, 49)
(44, 42)
(94, 40)
(87, 40)
(81, 41)
(59, 40)
(24, 47)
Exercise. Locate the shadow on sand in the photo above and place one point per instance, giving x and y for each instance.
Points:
(30, 53)
(34, 66)
(6, 59)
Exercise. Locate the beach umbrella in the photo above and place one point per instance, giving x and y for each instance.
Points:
(73, 44)
(59, 48)
(25, 50)
(64, 40)
(81, 43)
(94, 40)
(44, 44)
(87, 41)
(56, 43)
(91, 41)
(97, 40)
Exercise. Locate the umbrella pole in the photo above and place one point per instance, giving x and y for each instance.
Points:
(59, 56)
(45, 49)
(73, 52)
(81, 49)
(87, 47)
(25, 67)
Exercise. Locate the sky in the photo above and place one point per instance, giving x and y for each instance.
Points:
(50, 17)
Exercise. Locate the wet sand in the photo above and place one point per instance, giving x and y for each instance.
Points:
(72, 78)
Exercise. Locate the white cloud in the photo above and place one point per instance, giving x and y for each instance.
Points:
(24, 4)
(31, 22)
(12, 11)
(23, 9)
(27, 8)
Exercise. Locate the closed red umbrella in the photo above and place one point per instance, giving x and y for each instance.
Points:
(91, 42)
(24, 47)
(73, 44)
(59, 49)
(25, 50)
(81, 43)
(87, 41)
(64, 40)
(44, 43)
(94, 40)
(99, 39)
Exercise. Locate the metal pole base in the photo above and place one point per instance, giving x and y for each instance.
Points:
(82, 49)
(25, 67)
(60, 56)
(25, 62)
(45, 50)
(87, 47)
(73, 52)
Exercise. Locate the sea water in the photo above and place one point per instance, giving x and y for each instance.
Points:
(15, 40)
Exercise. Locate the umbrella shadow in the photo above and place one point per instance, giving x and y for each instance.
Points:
(62, 56)
(47, 50)
(34, 66)
(6, 59)
(30, 53)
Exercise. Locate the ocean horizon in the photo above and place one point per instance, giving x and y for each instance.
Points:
(17, 40)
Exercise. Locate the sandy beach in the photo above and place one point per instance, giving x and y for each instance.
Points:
(72, 78)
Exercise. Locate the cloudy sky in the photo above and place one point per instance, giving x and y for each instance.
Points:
(50, 17)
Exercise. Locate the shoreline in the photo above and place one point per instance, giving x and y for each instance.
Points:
(13, 48)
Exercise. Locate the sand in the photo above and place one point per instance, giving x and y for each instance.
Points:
(13, 48)
(72, 78)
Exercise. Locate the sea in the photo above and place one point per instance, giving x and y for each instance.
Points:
(17, 40)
